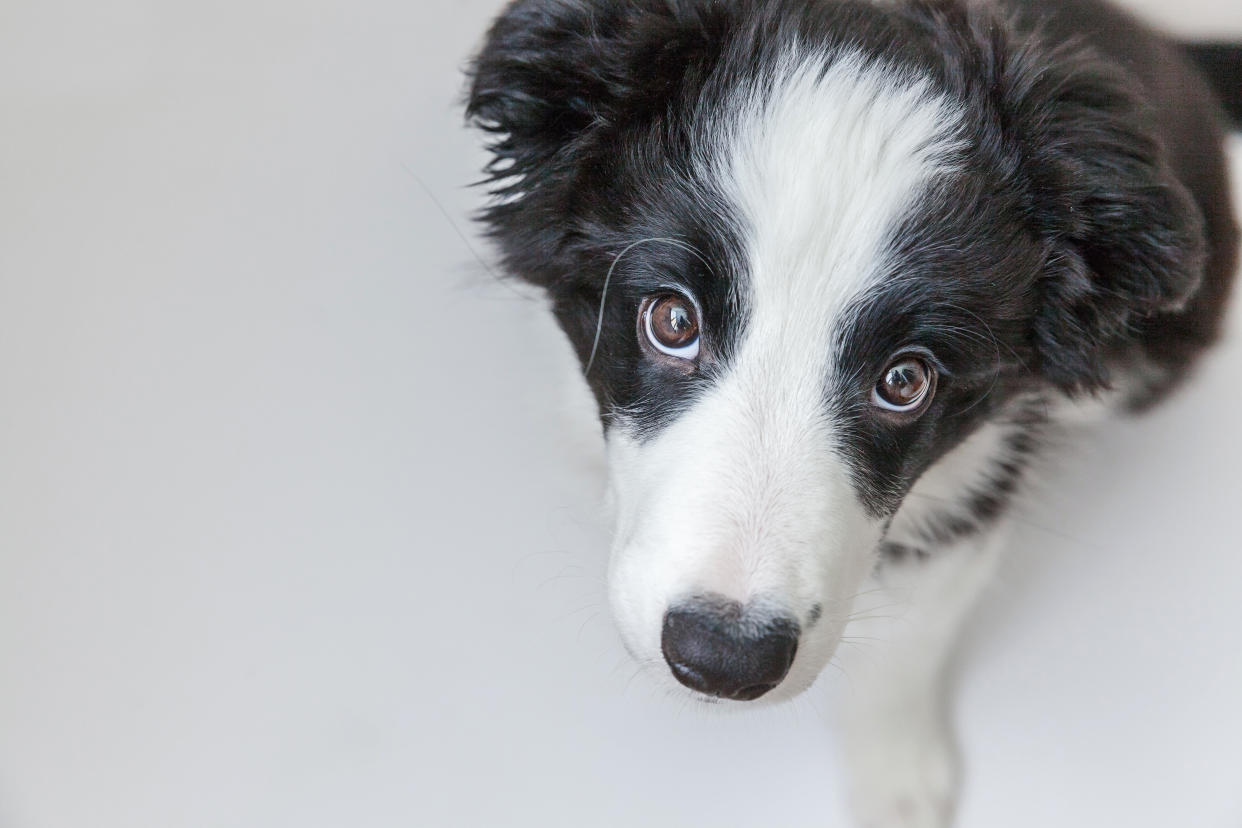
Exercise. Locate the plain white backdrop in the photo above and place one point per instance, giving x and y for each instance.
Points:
(297, 528)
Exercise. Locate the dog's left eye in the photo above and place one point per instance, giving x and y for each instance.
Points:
(671, 324)
(907, 384)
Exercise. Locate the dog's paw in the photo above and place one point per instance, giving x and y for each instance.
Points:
(903, 780)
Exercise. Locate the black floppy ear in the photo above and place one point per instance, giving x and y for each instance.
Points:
(551, 70)
(542, 78)
(1125, 239)
(554, 77)
(547, 74)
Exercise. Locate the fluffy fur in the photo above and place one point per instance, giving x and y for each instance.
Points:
(1031, 197)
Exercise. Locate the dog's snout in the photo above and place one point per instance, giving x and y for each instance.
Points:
(720, 648)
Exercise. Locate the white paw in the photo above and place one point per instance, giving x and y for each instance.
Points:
(903, 780)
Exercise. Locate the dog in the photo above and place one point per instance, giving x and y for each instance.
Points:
(834, 271)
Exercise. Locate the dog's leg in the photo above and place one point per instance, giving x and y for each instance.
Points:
(898, 745)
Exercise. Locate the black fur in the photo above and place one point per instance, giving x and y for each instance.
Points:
(1221, 64)
(1090, 231)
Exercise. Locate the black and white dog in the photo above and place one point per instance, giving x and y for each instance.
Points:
(832, 267)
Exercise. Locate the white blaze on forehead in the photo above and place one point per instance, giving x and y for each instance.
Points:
(825, 158)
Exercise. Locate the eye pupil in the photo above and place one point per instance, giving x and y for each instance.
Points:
(903, 383)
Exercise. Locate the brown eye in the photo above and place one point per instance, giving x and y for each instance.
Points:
(907, 383)
(672, 325)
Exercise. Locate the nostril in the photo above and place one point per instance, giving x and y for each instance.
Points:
(720, 648)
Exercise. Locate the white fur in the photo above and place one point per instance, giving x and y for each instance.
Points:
(896, 736)
(746, 494)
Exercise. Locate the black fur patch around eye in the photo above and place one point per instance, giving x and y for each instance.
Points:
(628, 384)
(954, 288)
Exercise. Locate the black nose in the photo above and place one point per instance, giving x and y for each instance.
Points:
(719, 648)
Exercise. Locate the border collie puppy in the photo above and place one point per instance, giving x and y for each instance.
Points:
(831, 267)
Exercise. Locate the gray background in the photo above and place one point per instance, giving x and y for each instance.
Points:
(297, 526)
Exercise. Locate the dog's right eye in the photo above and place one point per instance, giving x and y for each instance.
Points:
(671, 324)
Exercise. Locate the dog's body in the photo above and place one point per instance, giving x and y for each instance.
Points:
(832, 269)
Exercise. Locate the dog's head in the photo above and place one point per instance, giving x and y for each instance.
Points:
(803, 250)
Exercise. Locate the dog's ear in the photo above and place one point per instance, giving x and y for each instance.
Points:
(551, 71)
(544, 75)
(1125, 239)
(553, 76)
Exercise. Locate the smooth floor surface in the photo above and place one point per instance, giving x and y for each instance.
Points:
(299, 526)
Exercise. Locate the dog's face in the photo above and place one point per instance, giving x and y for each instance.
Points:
(776, 376)
(801, 261)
